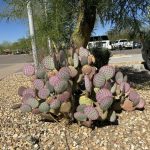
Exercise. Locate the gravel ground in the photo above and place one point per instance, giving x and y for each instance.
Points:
(20, 131)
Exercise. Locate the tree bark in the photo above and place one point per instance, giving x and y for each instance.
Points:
(32, 34)
(85, 24)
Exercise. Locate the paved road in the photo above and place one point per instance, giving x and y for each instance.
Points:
(134, 58)
(13, 59)
(13, 63)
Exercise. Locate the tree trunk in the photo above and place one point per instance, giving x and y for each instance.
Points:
(85, 24)
(32, 34)
(48, 38)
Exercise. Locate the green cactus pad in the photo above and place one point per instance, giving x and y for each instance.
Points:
(75, 60)
(119, 77)
(113, 117)
(91, 113)
(84, 60)
(61, 86)
(80, 116)
(85, 100)
(64, 73)
(55, 104)
(38, 84)
(32, 102)
(25, 108)
(113, 89)
(125, 79)
(44, 107)
(88, 83)
(108, 71)
(40, 73)
(80, 108)
(43, 93)
(48, 62)
(99, 80)
(105, 103)
(49, 86)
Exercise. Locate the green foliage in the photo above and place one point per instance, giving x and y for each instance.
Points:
(127, 33)
(1, 49)
(57, 19)
(123, 13)
(13, 9)
(22, 46)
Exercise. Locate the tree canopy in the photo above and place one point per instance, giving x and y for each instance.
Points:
(62, 17)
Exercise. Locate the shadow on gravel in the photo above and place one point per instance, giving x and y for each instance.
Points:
(105, 123)
(138, 79)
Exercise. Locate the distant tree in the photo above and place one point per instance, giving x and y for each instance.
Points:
(114, 34)
(1, 49)
(22, 45)
(5, 44)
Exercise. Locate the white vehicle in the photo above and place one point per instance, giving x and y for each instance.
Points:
(99, 41)
(122, 44)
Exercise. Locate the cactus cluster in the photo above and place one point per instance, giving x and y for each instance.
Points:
(71, 86)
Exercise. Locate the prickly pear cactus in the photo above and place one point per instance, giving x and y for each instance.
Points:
(29, 70)
(91, 113)
(72, 87)
(25, 108)
(44, 107)
(108, 71)
(38, 84)
(80, 116)
(32, 102)
(49, 63)
(55, 104)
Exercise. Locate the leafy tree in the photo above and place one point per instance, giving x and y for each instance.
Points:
(1, 49)
(77, 17)
(120, 13)
(114, 34)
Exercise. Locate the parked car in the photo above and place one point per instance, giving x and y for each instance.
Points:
(137, 44)
(99, 42)
(122, 44)
(146, 53)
